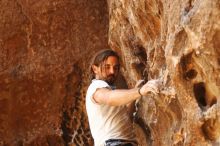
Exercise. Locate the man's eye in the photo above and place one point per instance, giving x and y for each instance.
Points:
(116, 67)
(107, 67)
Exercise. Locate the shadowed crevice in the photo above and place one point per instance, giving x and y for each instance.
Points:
(188, 70)
(73, 86)
(199, 92)
(145, 128)
(204, 95)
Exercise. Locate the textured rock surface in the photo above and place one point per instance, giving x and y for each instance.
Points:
(45, 48)
(178, 42)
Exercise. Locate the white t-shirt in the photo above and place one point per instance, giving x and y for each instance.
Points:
(107, 122)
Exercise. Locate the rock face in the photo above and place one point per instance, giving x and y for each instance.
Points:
(46, 47)
(177, 42)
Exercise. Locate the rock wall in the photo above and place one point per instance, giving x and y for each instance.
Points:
(46, 47)
(178, 43)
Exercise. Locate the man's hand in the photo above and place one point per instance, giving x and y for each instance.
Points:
(151, 86)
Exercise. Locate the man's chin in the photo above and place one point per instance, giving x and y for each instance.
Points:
(110, 81)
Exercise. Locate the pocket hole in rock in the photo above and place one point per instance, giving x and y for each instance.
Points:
(140, 52)
(205, 95)
(200, 93)
(186, 64)
(190, 74)
(139, 68)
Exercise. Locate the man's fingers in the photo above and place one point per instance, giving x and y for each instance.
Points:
(154, 89)
(152, 86)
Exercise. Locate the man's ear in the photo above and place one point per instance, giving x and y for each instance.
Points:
(95, 69)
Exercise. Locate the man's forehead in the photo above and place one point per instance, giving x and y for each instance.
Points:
(112, 60)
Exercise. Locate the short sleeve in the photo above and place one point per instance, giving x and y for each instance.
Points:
(96, 84)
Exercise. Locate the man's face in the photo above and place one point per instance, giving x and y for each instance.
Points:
(108, 71)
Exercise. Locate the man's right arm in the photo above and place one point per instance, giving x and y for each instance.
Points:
(123, 96)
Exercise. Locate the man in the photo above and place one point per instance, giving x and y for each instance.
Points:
(106, 106)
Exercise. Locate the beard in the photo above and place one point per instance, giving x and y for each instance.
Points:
(110, 79)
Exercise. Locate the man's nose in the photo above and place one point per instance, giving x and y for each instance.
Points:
(112, 71)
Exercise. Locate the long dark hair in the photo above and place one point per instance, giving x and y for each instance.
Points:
(100, 58)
